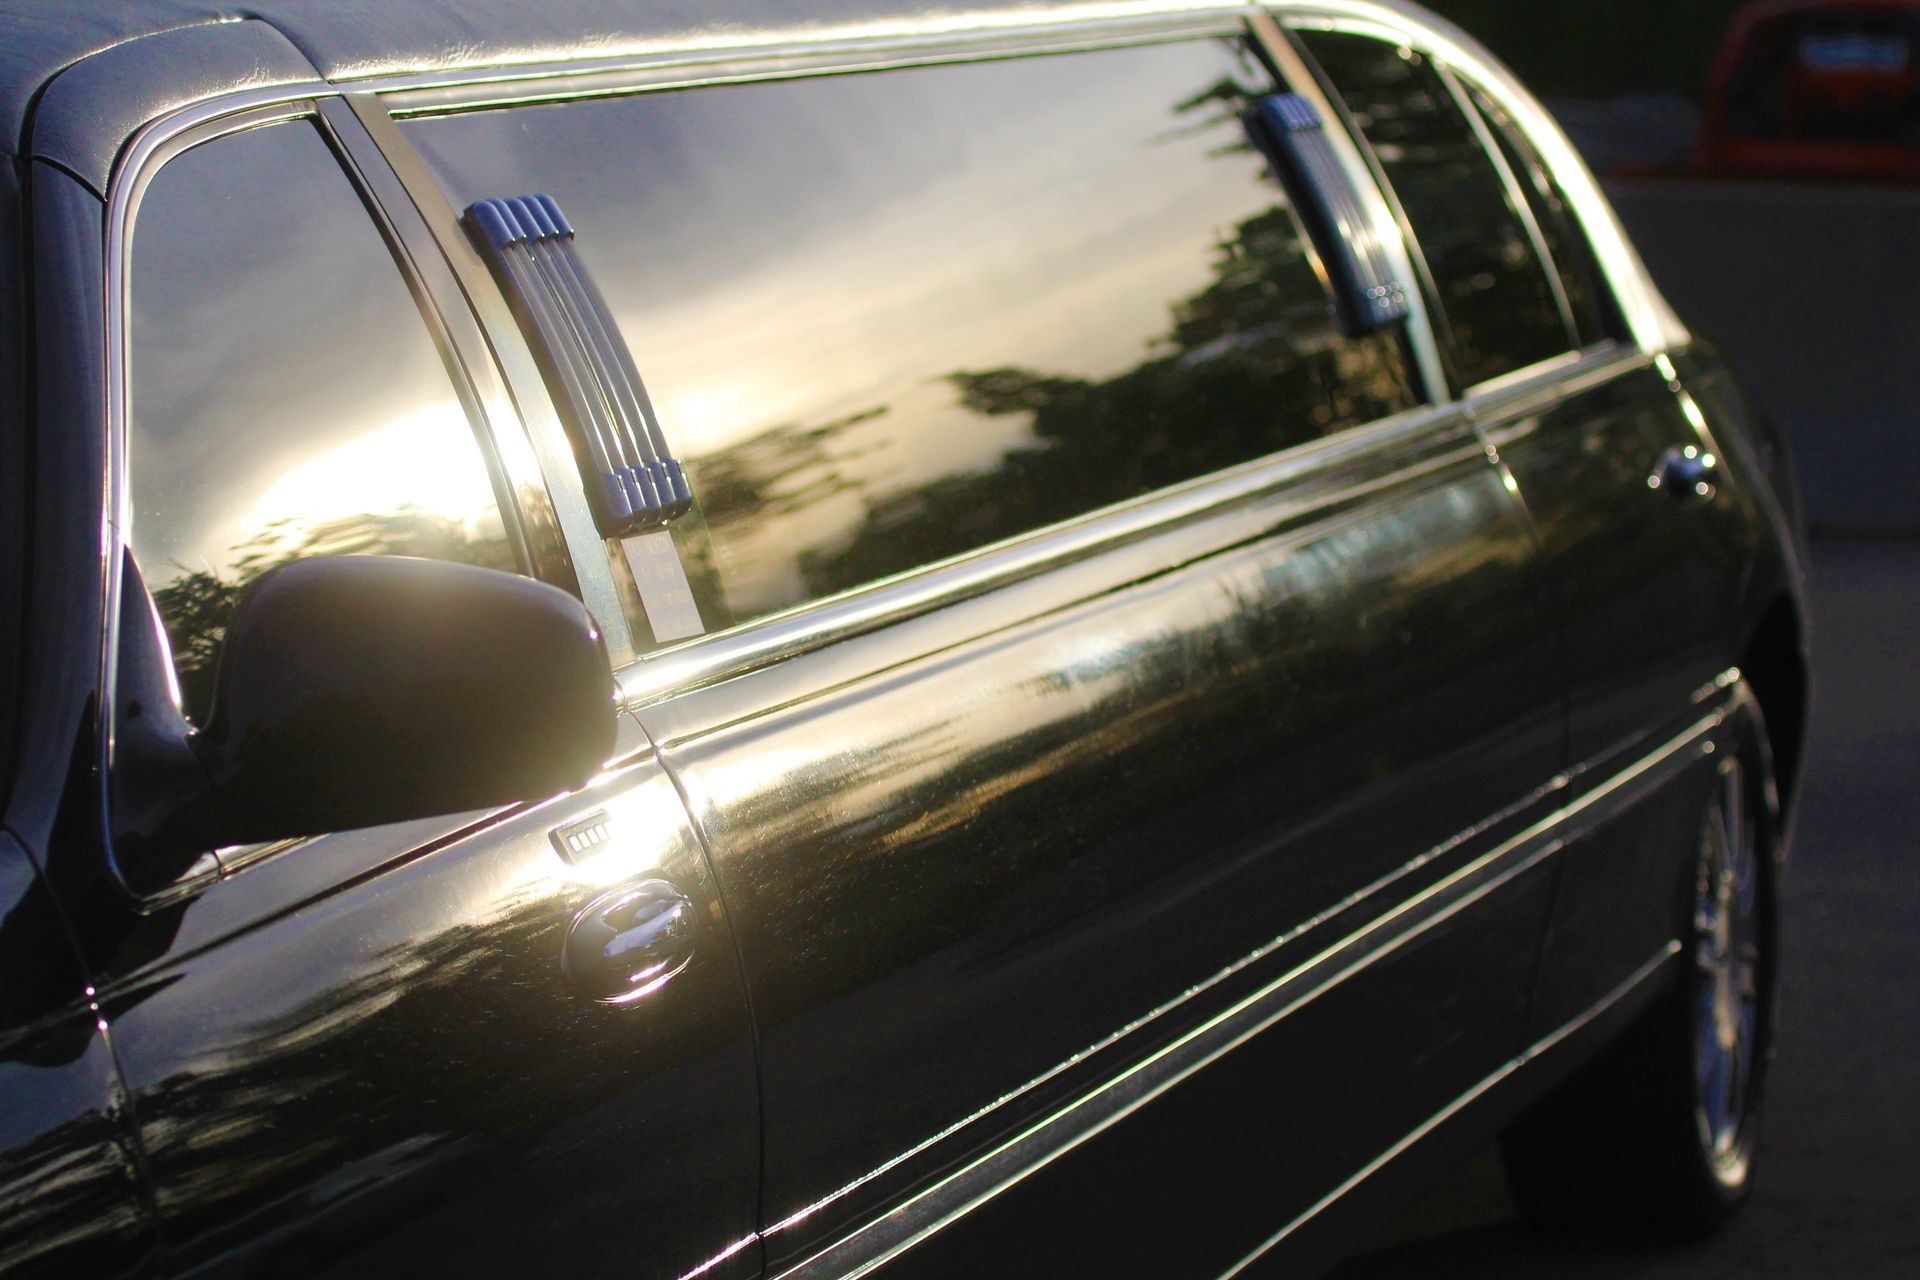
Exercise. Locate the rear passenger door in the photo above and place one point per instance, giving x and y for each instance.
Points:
(1106, 661)
(1645, 553)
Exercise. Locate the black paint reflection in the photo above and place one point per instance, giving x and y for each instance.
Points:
(285, 400)
(957, 875)
(890, 318)
(396, 1073)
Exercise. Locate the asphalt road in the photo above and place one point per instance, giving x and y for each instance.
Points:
(1838, 1193)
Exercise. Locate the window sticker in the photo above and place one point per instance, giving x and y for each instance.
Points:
(662, 581)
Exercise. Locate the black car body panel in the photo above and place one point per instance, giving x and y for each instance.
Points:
(1309, 810)
(69, 1175)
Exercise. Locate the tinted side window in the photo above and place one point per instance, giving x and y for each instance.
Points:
(285, 398)
(1493, 289)
(893, 317)
(1596, 316)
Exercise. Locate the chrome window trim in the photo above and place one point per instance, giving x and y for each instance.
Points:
(769, 59)
(911, 37)
(647, 678)
(1551, 382)
(145, 154)
(871, 1245)
(462, 342)
(793, 57)
(777, 54)
(817, 624)
(1653, 323)
(763, 641)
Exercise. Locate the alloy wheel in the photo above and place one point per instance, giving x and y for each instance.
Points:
(1727, 959)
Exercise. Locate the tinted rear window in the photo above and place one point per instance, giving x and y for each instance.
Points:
(893, 317)
(1494, 291)
(1596, 315)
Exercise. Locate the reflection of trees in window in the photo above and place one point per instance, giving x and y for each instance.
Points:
(777, 471)
(197, 604)
(1251, 365)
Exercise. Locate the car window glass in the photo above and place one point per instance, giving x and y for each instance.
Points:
(1494, 291)
(285, 398)
(1589, 297)
(893, 317)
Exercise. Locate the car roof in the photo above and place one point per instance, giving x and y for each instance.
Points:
(351, 39)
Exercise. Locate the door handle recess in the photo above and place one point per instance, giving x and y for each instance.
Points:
(629, 942)
(1686, 472)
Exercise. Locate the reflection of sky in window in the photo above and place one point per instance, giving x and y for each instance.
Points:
(280, 369)
(797, 253)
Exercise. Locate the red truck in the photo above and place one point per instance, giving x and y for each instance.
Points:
(1816, 89)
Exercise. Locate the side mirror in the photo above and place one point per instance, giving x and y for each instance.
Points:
(359, 690)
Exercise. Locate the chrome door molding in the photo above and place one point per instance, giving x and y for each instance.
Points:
(1552, 382)
(1575, 811)
(763, 642)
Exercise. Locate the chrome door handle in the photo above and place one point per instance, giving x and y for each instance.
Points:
(629, 942)
(1686, 472)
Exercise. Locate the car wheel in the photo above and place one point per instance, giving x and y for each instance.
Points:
(1657, 1135)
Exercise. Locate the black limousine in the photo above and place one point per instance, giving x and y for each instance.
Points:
(747, 638)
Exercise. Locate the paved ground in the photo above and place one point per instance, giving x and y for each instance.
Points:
(1839, 1189)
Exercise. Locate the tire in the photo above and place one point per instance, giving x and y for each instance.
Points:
(1656, 1137)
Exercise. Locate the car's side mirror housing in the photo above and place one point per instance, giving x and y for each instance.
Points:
(359, 690)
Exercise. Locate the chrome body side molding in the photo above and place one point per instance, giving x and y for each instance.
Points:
(1007, 1164)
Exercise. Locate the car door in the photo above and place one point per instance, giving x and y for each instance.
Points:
(360, 1050)
(1645, 552)
(1105, 659)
